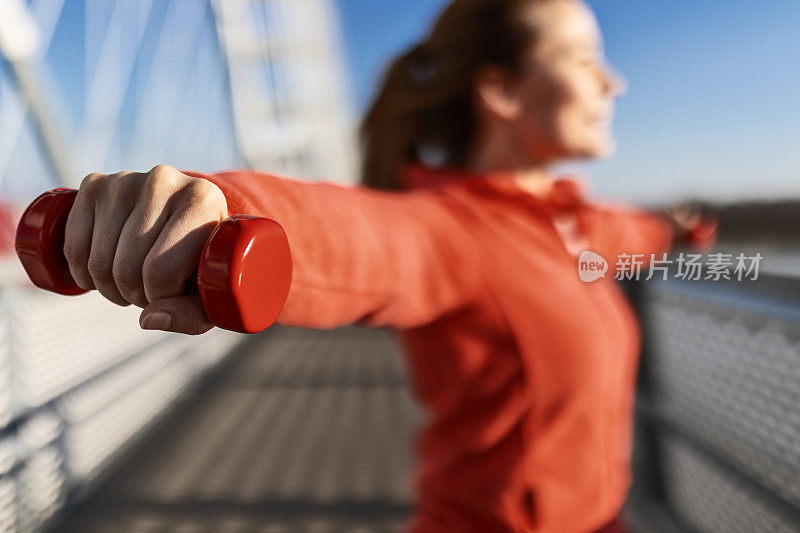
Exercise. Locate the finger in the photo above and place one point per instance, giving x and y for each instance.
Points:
(78, 234)
(111, 213)
(186, 315)
(174, 256)
(139, 233)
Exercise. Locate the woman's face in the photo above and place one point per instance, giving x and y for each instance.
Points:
(566, 92)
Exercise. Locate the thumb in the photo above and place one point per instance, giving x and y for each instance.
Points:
(183, 314)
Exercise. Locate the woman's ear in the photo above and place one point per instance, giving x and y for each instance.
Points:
(498, 94)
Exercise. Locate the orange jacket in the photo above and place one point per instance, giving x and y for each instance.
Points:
(527, 373)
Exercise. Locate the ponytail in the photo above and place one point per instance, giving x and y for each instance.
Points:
(423, 110)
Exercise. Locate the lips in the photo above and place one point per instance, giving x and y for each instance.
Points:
(600, 121)
(603, 116)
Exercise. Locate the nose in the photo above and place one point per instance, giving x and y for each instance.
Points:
(614, 83)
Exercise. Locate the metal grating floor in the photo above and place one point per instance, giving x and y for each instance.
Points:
(301, 431)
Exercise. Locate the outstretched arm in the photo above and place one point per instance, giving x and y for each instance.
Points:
(361, 255)
(621, 228)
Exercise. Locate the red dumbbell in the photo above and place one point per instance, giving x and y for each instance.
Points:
(243, 277)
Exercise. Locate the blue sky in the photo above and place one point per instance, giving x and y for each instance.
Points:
(712, 107)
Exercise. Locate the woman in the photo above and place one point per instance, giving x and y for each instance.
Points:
(461, 240)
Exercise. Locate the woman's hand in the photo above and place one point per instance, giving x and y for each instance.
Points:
(692, 226)
(684, 217)
(137, 237)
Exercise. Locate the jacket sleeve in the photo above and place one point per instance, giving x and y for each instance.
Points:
(377, 258)
(620, 228)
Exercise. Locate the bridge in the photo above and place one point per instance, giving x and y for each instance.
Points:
(105, 427)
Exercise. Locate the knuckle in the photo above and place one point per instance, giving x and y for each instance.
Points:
(72, 252)
(129, 283)
(205, 196)
(125, 277)
(77, 270)
(162, 181)
(91, 180)
(134, 295)
(163, 173)
(98, 267)
(162, 168)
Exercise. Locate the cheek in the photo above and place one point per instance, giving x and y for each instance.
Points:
(572, 111)
(581, 131)
(560, 121)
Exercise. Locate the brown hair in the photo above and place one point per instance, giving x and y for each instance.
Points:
(423, 109)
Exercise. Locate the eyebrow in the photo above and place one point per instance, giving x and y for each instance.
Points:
(580, 48)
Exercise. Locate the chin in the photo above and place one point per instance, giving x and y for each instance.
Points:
(607, 150)
(592, 152)
(597, 149)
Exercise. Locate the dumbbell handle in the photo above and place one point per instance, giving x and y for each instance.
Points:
(243, 276)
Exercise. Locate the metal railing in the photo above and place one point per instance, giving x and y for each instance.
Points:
(80, 381)
(718, 438)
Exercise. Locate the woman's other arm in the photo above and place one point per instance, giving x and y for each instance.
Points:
(619, 228)
(692, 226)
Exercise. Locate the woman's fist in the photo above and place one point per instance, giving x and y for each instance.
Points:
(137, 237)
(693, 226)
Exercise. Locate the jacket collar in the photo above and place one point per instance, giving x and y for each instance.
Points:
(568, 190)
